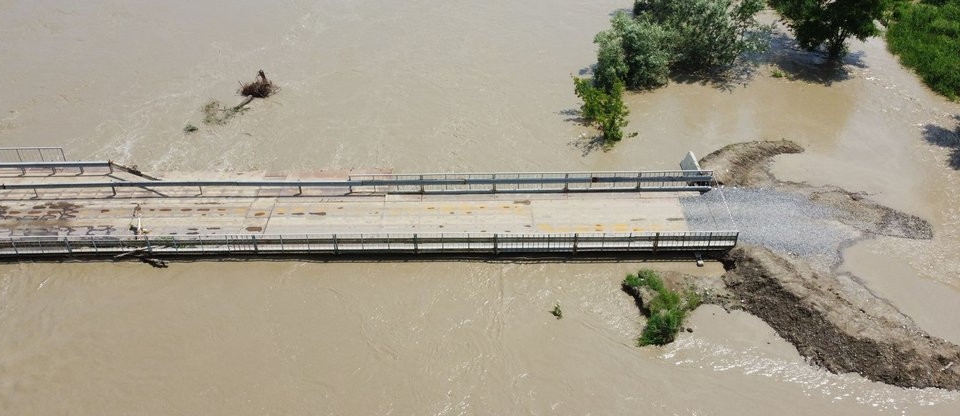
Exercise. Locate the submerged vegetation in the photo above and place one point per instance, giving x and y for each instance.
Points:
(666, 308)
(926, 37)
(557, 312)
(217, 114)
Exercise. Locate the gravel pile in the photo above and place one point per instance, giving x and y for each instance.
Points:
(785, 222)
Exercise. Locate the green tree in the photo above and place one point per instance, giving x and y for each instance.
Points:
(707, 34)
(667, 36)
(634, 51)
(829, 23)
(603, 109)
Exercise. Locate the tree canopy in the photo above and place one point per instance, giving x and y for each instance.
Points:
(667, 36)
(829, 23)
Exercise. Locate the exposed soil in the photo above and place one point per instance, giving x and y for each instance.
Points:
(836, 326)
(834, 321)
(746, 164)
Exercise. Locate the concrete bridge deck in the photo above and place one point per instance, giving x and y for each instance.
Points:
(69, 216)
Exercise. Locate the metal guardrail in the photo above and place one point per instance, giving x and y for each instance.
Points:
(643, 181)
(667, 180)
(54, 166)
(31, 154)
(430, 243)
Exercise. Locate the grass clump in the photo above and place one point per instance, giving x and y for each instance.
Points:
(926, 37)
(190, 128)
(667, 308)
(776, 73)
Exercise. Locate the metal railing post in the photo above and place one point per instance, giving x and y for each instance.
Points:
(336, 247)
(656, 241)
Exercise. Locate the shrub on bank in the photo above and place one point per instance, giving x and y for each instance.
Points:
(667, 308)
(926, 37)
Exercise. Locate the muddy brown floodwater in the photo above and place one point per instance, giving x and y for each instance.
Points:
(421, 85)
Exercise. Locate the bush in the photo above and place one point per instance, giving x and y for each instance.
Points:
(662, 327)
(667, 309)
(603, 109)
(666, 36)
(708, 33)
(829, 23)
(926, 37)
(636, 52)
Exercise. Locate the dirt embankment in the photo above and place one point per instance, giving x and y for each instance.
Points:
(836, 326)
(833, 320)
(747, 165)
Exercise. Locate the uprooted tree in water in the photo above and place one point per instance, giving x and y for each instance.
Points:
(215, 113)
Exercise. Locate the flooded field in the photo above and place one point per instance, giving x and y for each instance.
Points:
(431, 86)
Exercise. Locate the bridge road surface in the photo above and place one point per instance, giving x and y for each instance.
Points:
(184, 211)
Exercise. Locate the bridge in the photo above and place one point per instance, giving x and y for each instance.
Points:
(51, 207)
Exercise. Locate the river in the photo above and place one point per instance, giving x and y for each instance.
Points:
(420, 85)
